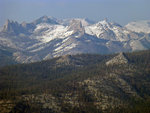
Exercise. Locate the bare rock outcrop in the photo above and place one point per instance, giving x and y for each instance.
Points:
(118, 60)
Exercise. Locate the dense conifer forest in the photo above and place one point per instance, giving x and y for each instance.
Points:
(80, 83)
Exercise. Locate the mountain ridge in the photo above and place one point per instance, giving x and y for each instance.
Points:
(48, 37)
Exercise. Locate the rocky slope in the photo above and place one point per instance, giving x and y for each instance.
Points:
(118, 60)
(48, 37)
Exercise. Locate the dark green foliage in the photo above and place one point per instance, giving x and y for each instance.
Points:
(24, 107)
(142, 106)
(59, 78)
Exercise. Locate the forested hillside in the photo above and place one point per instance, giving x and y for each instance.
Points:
(6, 57)
(80, 83)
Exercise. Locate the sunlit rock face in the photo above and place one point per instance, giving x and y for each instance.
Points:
(120, 59)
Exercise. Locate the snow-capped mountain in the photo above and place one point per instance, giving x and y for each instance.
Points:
(84, 21)
(48, 37)
(139, 26)
(110, 31)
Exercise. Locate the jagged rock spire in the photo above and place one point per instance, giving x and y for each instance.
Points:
(77, 27)
(12, 27)
(118, 60)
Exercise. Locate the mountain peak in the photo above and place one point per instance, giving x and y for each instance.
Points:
(84, 21)
(77, 27)
(118, 60)
(75, 24)
(10, 26)
(8, 21)
(46, 19)
(104, 24)
(139, 26)
(105, 21)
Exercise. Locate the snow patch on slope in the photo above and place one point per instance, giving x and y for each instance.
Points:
(53, 32)
(107, 30)
(7, 43)
(139, 26)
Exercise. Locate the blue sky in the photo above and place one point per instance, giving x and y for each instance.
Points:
(121, 11)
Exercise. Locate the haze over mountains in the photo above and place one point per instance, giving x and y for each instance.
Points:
(48, 37)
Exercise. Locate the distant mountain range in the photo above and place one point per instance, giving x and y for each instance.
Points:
(48, 37)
